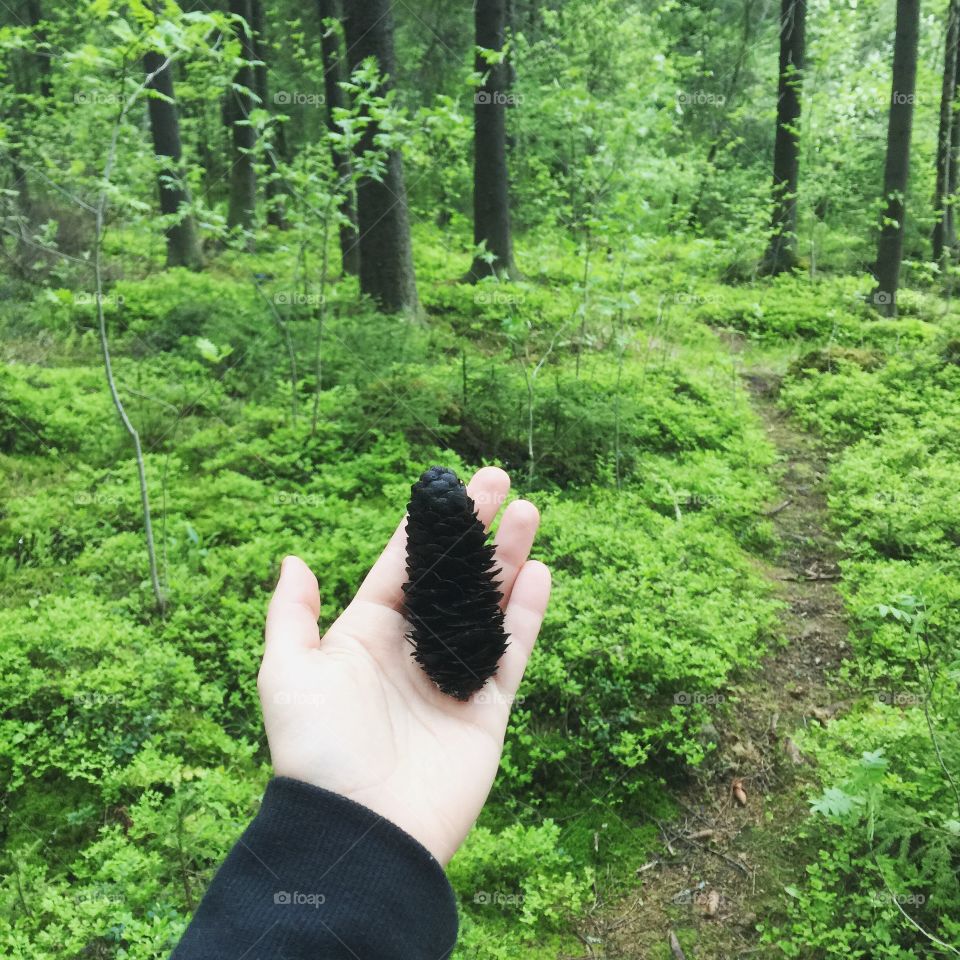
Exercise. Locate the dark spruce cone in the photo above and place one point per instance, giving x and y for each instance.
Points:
(452, 599)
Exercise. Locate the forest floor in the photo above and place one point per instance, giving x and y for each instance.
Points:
(724, 862)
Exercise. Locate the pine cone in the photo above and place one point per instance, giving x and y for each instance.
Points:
(452, 599)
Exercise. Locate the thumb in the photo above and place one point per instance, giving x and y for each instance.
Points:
(294, 609)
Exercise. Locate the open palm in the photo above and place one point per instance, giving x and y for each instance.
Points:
(353, 712)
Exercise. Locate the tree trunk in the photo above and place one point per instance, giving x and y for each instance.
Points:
(272, 189)
(386, 258)
(335, 100)
(491, 195)
(953, 167)
(942, 208)
(243, 180)
(896, 173)
(947, 138)
(781, 252)
(183, 249)
(42, 56)
(40, 83)
(750, 22)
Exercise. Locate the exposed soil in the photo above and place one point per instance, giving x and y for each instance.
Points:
(724, 862)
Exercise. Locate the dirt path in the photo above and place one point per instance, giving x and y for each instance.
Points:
(722, 856)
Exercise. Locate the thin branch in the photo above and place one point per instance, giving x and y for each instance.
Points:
(928, 696)
(322, 312)
(910, 920)
(100, 213)
(285, 332)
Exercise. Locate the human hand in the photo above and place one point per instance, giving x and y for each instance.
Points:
(354, 713)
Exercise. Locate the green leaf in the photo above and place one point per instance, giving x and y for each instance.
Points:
(834, 802)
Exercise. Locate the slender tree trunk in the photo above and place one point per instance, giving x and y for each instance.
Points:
(953, 169)
(491, 195)
(42, 58)
(19, 181)
(243, 180)
(750, 22)
(948, 138)
(335, 100)
(20, 223)
(896, 174)
(953, 149)
(183, 249)
(272, 189)
(386, 257)
(781, 253)
(26, 82)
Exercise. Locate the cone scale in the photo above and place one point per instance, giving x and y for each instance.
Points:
(451, 597)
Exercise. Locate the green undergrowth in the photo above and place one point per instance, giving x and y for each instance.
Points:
(130, 743)
(883, 842)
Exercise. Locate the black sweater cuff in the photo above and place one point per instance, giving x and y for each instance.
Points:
(318, 877)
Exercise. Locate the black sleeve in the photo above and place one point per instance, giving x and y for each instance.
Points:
(318, 877)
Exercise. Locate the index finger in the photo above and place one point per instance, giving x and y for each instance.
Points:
(488, 488)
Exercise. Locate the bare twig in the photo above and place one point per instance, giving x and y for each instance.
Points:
(530, 378)
(100, 213)
(675, 947)
(291, 353)
(322, 312)
(911, 921)
(924, 659)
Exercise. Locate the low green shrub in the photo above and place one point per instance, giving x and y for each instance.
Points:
(647, 617)
(886, 837)
(785, 307)
(651, 475)
(523, 873)
(883, 847)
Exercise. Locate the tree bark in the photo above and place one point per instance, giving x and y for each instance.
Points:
(24, 83)
(953, 171)
(491, 179)
(750, 23)
(897, 168)
(183, 248)
(335, 99)
(243, 179)
(41, 57)
(781, 252)
(386, 257)
(943, 232)
(272, 189)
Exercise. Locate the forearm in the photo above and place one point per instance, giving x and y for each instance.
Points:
(318, 877)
